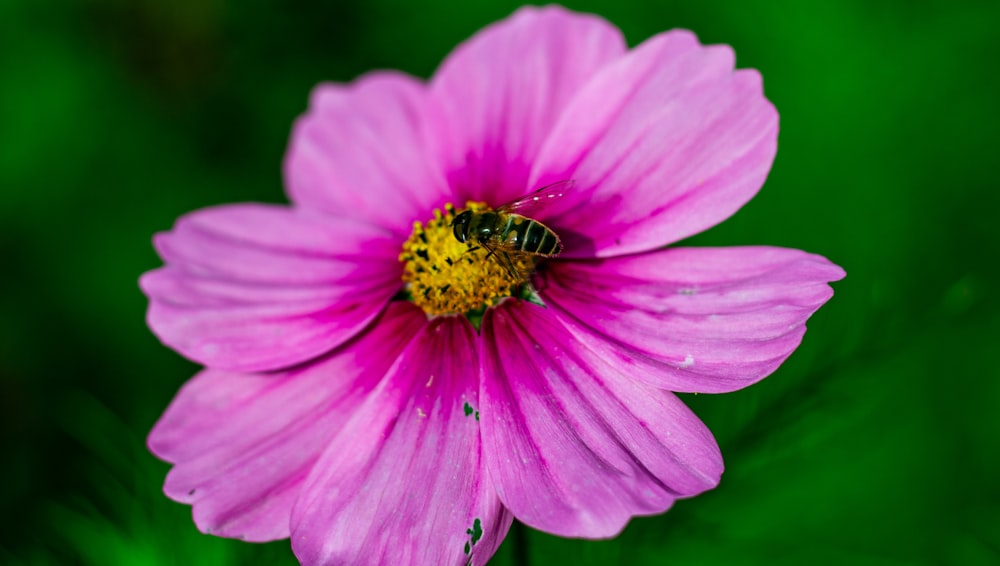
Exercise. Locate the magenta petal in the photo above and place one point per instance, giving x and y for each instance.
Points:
(404, 482)
(261, 287)
(359, 151)
(705, 320)
(663, 143)
(243, 444)
(495, 98)
(575, 446)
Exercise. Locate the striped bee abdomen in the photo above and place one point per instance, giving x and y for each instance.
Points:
(529, 236)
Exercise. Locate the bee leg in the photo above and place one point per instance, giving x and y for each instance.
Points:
(508, 264)
(501, 257)
(489, 249)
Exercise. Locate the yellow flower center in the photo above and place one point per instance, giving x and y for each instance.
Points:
(445, 276)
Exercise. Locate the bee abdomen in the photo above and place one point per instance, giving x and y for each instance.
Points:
(550, 244)
(531, 236)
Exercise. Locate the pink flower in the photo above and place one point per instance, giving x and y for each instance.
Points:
(338, 414)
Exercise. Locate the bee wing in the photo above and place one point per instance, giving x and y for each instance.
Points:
(533, 202)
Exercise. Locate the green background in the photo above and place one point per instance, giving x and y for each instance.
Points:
(876, 443)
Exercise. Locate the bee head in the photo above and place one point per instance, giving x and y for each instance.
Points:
(460, 225)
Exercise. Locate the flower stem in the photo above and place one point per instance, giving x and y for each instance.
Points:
(519, 543)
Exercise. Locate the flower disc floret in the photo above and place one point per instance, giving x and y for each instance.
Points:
(445, 276)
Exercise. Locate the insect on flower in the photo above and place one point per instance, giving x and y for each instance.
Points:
(508, 233)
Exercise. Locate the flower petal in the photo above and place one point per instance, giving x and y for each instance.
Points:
(664, 143)
(359, 151)
(404, 482)
(259, 287)
(705, 320)
(575, 446)
(243, 444)
(495, 98)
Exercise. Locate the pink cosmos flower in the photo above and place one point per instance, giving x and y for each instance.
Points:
(374, 429)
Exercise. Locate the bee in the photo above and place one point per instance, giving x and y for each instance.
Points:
(506, 233)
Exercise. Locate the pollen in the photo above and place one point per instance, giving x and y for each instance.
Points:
(445, 276)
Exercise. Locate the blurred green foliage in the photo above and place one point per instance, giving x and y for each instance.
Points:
(877, 443)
